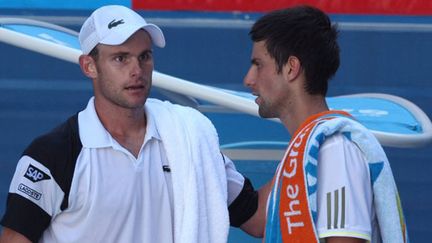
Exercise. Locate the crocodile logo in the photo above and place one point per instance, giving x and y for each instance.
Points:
(114, 23)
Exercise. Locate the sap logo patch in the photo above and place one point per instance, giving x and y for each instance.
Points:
(30, 192)
(35, 175)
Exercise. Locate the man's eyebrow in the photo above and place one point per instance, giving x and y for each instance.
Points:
(147, 51)
(120, 53)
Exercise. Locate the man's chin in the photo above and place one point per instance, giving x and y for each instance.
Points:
(266, 114)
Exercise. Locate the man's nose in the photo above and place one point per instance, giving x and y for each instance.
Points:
(248, 79)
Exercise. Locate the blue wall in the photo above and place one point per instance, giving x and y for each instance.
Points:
(379, 54)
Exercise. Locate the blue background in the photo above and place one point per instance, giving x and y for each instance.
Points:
(385, 55)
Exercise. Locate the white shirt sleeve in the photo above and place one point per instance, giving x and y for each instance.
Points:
(344, 191)
(235, 180)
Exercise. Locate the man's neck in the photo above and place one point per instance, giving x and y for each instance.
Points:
(126, 126)
(305, 108)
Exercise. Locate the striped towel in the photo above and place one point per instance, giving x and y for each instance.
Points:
(294, 192)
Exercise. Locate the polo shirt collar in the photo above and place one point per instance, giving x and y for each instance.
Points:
(94, 135)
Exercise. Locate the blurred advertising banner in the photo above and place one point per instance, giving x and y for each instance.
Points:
(381, 7)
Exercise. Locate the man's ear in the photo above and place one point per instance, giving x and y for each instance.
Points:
(292, 68)
(88, 66)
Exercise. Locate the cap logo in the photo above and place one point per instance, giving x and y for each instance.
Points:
(114, 23)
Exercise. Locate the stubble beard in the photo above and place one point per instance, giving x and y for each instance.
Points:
(120, 98)
(266, 110)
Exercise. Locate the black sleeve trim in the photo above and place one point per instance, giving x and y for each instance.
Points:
(25, 217)
(58, 151)
(244, 206)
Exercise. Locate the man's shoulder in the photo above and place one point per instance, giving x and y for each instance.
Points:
(168, 104)
(182, 111)
(55, 145)
(165, 112)
(58, 134)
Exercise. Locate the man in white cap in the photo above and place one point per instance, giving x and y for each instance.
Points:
(127, 168)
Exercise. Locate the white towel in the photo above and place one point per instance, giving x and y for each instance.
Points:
(198, 173)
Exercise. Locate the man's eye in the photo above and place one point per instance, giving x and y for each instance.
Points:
(256, 63)
(119, 58)
(146, 56)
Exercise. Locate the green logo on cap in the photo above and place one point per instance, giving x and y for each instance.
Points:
(114, 23)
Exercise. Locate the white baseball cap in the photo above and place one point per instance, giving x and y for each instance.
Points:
(113, 25)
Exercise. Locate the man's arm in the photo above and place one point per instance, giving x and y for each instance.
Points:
(255, 226)
(11, 236)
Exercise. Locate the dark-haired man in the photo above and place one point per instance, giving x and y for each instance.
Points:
(334, 183)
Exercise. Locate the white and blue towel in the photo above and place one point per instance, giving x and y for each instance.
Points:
(386, 199)
(385, 195)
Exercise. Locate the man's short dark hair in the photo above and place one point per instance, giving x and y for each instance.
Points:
(306, 33)
(94, 53)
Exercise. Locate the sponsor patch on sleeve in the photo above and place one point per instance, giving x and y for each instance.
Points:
(30, 192)
(34, 174)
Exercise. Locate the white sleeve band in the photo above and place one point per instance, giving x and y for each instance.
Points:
(235, 180)
(33, 181)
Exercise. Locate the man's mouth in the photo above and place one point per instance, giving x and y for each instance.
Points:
(257, 98)
(135, 87)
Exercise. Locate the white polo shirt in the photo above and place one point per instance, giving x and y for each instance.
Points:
(113, 196)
